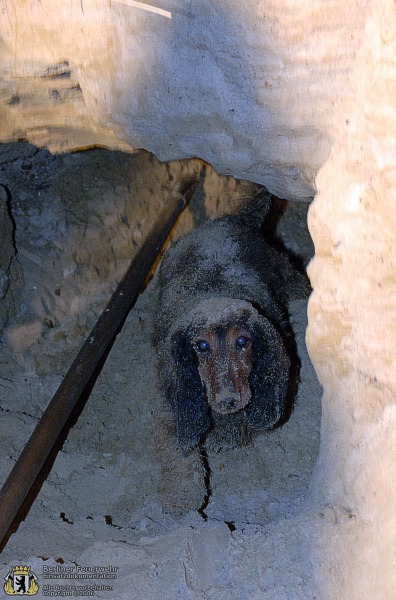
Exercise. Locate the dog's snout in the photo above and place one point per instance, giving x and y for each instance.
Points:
(229, 403)
(225, 370)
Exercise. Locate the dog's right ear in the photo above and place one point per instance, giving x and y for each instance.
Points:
(269, 376)
(186, 392)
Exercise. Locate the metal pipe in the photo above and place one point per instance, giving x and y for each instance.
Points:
(45, 435)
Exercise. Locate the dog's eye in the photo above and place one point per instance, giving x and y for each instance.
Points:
(242, 342)
(202, 346)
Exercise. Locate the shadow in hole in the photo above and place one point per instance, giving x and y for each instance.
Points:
(269, 230)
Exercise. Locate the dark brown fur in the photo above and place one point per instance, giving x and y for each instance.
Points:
(222, 339)
(221, 333)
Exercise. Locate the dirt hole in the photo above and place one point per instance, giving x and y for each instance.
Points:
(72, 223)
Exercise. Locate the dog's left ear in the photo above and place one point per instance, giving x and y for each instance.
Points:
(269, 376)
(186, 392)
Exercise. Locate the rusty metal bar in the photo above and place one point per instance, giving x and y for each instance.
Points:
(47, 431)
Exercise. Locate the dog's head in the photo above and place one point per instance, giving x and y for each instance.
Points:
(226, 358)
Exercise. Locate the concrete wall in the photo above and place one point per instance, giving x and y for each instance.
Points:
(255, 88)
(352, 329)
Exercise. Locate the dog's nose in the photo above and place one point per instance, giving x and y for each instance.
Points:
(229, 403)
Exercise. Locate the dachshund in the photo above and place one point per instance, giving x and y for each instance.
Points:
(222, 333)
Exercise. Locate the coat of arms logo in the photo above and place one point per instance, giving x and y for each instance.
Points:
(20, 581)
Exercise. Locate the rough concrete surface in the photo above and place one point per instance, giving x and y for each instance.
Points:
(78, 219)
(256, 88)
(352, 329)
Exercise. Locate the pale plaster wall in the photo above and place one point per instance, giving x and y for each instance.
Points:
(250, 86)
(352, 330)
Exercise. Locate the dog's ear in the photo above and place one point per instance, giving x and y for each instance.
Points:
(186, 392)
(269, 376)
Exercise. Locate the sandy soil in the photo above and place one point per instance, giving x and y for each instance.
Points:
(77, 220)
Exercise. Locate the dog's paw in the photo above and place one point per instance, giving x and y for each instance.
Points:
(182, 485)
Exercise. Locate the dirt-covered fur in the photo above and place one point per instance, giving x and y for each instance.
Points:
(221, 333)
(221, 329)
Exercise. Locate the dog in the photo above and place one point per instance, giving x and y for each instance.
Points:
(222, 334)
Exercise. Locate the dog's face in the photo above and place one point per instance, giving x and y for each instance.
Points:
(225, 356)
(224, 363)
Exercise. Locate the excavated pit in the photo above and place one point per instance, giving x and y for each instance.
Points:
(71, 225)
